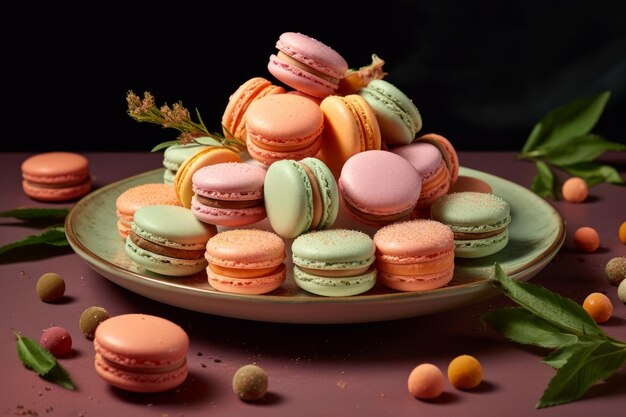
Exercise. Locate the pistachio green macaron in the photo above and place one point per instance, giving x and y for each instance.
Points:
(479, 222)
(334, 262)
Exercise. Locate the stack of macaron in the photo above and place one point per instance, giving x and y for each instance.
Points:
(315, 148)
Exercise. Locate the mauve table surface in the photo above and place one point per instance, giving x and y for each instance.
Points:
(314, 370)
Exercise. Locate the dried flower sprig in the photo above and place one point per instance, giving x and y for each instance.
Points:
(177, 117)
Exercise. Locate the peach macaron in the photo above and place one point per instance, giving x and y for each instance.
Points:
(283, 126)
(141, 353)
(415, 255)
(56, 176)
(246, 261)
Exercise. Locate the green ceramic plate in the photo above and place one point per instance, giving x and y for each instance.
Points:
(535, 235)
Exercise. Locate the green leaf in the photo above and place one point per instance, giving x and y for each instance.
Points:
(164, 145)
(594, 173)
(54, 236)
(205, 140)
(544, 183)
(27, 213)
(587, 365)
(581, 149)
(561, 312)
(522, 326)
(559, 357)
(34, 356)
(41, 361)
(566, 122)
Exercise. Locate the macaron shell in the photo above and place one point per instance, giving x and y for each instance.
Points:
(232, 181)
(246, 249)
(164, 265)
(471, 212)
(46, 193)
(335, 287)
(251, 286)
(268, 157)
(55, 168)
(350, 127)
(229, 217)
(208, 156)
(379, 182)
(478, 248)
(288, 198)
(398, 117)
(415, 283)
(172, 226)
(234, 117)
(143, 353)
(413, 239)
(333, 249)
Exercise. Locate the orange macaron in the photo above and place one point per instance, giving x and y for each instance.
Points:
(350, 127)
(246, 261)
(283, 126)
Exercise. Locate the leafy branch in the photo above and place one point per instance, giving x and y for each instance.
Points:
(582, 353)
(177, 117)
(53, 235)
(563, 140)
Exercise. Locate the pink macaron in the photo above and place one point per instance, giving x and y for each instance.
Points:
(56, 176)
(141, 353)
(229, 194)
(447, 150)
(283, 126)
(307, 65)
(415, 255)
(379, 187)
(429, 162)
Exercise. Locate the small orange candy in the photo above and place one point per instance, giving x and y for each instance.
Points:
(465, 372)
(586, 239)
(598, 306)
(622, 233)
(575, 190)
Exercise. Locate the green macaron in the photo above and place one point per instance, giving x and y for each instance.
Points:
(168, 240)
(479, 222)
(334, 262)
(300, 196)
(398, 117)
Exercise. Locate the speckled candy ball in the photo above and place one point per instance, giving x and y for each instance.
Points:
(575, 190)
(426, 381)
(57, 340)
(250, 383)
(586, 239)
(615, 270)
(50, 287)
(90, 319)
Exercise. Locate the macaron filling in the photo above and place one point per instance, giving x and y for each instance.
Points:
(376, 216)
(281, 56)
(228, 204)
(163, 250)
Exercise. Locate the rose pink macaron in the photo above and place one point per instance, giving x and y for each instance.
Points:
(141, 353)
(283, 126)
(307, 65)
(448, 152)
(246, 261)
(56, 176)
(415, 255)
(428, 161)
(229, 194)
(379, 187)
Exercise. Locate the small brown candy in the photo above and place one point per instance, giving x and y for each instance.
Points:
(90, 319)
(50, 287)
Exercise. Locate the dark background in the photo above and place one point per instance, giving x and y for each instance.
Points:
(481, 73)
